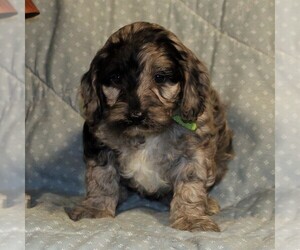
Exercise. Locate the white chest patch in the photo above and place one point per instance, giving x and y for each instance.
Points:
(141, 166)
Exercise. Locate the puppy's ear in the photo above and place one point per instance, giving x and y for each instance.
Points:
(92, 95)
(195, 88)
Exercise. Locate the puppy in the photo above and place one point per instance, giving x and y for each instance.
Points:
(153, 124)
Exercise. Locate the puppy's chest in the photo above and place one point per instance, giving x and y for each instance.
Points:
(146, 166)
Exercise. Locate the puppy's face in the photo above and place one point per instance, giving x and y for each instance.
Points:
(141, 76)
(141, 83)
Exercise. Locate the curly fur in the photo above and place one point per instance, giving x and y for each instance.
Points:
(141, 77)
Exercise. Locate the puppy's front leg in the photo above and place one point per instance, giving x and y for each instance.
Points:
(102, 184)
(189, 207)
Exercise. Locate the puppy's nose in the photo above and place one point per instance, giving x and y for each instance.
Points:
(136, 116)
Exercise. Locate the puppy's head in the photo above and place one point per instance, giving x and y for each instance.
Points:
(140, 78)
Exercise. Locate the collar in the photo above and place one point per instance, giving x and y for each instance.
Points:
(188, 125)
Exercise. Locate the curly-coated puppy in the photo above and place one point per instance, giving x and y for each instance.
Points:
(154, 124)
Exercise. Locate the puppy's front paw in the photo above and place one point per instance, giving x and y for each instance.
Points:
(203, 223)
(80, 212)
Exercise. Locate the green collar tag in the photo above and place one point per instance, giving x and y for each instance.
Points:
(188, 125)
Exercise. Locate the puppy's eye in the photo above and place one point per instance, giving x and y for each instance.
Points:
(115, 78)
(161, 78)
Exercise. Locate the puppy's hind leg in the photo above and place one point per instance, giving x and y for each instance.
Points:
(213, 206)
(102, 183)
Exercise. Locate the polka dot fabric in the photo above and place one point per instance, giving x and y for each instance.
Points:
(12, 128)
(287, 124)
(61, 42)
